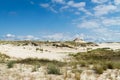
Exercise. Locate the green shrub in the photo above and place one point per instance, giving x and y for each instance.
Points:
(53, 69)
(10, 64)
(77, 76)
(99, 69)
(82, 63)
(36, 61)
(3, 57)
(38, 49)
(117, 65)
(104, 66)
(110, 65)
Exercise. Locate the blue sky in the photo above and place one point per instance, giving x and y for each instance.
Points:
(92, 20)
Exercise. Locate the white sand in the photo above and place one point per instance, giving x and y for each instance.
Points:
(49, 52)
(29, 51)
(113, 46)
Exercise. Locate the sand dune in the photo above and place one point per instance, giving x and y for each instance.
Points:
(49, 52)
(29, 52)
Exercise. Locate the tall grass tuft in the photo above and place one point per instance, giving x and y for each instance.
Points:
(10, 64)
(53, 69)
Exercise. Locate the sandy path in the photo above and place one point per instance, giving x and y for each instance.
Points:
(20, 52)
(113, 46)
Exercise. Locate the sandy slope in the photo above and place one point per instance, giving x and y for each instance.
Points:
(29, 51)
(49, 52)
(113, 46)
(24, 72)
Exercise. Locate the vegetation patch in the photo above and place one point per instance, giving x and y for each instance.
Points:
(36, 61)
(101, 58)
(3, 58)
(53, 69)
(10, 64)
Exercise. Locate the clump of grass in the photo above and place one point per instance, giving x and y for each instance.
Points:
(3, 58)
(99, 69)
(10, 64)
(77, 76)
(82, 63)
(77, 44)
(34, 69)
(53, 69)
(36, 61)
(62, 45)
(117, 65)
(102, 58)
(39, 49)
(110, 65)
(77, 71)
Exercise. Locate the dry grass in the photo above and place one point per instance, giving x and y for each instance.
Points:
(102, 59)
(36, 61)
(3, 58)
(53, 69)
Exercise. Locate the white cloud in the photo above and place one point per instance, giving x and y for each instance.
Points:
(111, 21)
(98, 30)
(104, 9)
(81, 36)
(85, 11)
(77, 5)
(63, 36)
(99, 1)
(45, 5)
(80, 7)
(91, 20)
(53, 10)
(56, 36)
(77, 13)
(64, 7)
(117, 2)
(17, 37)
(107, 34)
(59, 1)
(29, 37)
(9, 35)
(88, 25)
(70, 6)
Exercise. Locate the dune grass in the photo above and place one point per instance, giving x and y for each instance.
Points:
(3, 58)
(53, 69)
(101, 59)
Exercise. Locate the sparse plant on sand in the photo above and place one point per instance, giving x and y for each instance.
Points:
(98, 68)
(39, 49)
(3, 58)
(53, 69)
(10, 64)
(101, 58)
(35, 68)
(77, 76)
